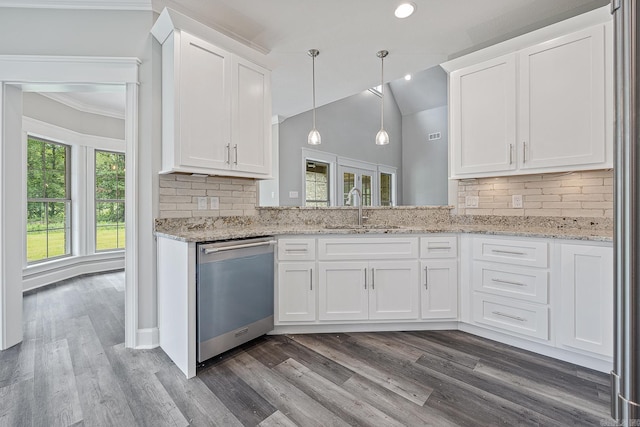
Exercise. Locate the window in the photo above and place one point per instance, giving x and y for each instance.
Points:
(48, 200)
(109, 201)
(385, 189)
(316, 184)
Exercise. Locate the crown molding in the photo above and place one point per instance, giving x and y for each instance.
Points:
(71, 102)
(143, 5)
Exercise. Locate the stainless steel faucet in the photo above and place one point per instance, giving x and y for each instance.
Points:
(359, 193)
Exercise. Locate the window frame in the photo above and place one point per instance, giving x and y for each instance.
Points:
(322, 157)
(388, 170)
(68, 201)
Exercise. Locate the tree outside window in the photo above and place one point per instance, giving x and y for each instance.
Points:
(109, 193)
(48, 200)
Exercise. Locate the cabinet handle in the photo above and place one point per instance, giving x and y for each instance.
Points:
(228, 153)
(441, 248)
(235, 158)
(295, 250)
(365, 278)
(426, 278)
(500, 251)
(510, 154)
(524, 152)
(510, 316)
(373, 278)
(508, 282)
(311, 279)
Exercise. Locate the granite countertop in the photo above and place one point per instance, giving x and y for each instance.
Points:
(255, 230)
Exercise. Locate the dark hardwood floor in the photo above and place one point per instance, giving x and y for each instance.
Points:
(72, 370)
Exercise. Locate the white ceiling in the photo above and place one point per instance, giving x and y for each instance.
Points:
(348, 34)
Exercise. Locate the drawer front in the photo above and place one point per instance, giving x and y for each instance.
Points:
(297, 249)
(514, 316)
(529, 284)
(439, 247)
(367, 248)
(517, 252)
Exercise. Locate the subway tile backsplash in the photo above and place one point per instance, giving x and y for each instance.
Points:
(573, 194)
(179, 194)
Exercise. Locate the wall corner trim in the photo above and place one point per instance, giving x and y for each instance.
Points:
(147, 338)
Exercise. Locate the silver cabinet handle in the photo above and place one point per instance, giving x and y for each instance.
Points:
(373, 278)
(510, 316)
(235, 159)
(508, 282)
(500, 251)
(442, 248)
(228, 153)
(524, 152)
(311, 279)
(296, 250)
(426, 278)
(365, 278)
(510, 154)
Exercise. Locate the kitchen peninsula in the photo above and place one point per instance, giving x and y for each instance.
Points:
(539, 283)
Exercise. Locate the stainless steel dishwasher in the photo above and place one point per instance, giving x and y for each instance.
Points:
(234, 293)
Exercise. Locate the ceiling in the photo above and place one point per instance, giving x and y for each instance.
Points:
(348, 34)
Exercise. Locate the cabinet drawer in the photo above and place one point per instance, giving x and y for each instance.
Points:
(439, 247)
(529, 284)
(517, 252)
(514, 316)
(297, 249)
(367, 248)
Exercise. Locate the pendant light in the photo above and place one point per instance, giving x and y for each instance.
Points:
(314, 136)
(382, 138)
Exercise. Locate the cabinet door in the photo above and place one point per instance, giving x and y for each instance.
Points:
(586, 309)
(204, 104)
(251, 117)
(439, 289)
(483, 117)
(296, 291)
(393, 290)
(343, 293)
(562, 101)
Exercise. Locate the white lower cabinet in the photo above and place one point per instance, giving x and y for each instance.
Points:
(439, 289)
(296, 293)
(586, 306)
(359, 290)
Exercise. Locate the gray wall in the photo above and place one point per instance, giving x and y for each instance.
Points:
(424, 171)
(114, 34)
(348, 128)
(47, 110)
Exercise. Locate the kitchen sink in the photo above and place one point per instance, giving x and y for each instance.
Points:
(362, 227)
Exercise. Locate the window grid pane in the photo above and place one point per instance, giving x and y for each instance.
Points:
(385, 189)
(110, 207)
(317, 184)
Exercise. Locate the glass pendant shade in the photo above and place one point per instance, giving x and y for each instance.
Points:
(314, 136)
(382, 138)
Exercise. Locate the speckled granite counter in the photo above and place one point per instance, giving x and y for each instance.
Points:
(397, 220)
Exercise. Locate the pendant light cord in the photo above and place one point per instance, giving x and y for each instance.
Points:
(382, 94)
(313, 79)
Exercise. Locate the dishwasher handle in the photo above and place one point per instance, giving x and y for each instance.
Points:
(208, 251)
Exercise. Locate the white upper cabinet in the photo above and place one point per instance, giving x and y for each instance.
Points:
(483, 116)
(216, 104)
(545, 108)
(562, 101)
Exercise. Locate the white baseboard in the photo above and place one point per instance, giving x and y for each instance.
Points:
(147, 338)
(46, 274)
(316, 328)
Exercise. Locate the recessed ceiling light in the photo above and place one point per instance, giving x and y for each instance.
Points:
(407, 77)
(405, 10)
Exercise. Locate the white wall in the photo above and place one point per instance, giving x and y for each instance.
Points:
(424, 163)
(348, 128)
(110, 34)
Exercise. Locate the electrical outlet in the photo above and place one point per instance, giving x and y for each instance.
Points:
(215, 203)
(516, 201)
(471, 201)
(202, 203)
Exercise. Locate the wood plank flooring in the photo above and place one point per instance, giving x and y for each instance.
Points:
(72, 370)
